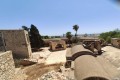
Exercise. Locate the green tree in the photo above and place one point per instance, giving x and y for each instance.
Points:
(35, 37)
(46, 37)
(85, 35)
(111, 34)
(69, 36)
(108, 39)
(75, 27)
(26, 28)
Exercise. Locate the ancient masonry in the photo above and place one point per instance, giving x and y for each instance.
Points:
(7, 68)
(115, 42)
(86, 61)
(57, 45)
(17, 41)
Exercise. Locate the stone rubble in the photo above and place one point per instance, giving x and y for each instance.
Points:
(53, 75)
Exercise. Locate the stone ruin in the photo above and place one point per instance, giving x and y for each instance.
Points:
(17, 41)
(7, 67)
(87, 66)
(58, 45)
(115, 42)
(93, 45)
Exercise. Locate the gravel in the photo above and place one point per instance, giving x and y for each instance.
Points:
(53, 75)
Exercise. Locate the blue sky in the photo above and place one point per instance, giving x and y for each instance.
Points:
(55, 17)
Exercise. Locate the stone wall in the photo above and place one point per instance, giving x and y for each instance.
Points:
(18, 42)
(115, 42)
(7, 68)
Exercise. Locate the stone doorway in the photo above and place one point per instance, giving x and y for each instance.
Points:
(59, 46)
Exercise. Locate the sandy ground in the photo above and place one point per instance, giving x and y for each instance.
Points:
(44, 53)
(56, 57)
(40, 56)
(47, 57)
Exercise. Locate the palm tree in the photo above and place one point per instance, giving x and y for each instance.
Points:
(76, 27)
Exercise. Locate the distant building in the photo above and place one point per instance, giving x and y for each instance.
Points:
(89, 35)
(17, 41)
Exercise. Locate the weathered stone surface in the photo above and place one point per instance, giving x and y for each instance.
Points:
(115, 42)
(53, 75)
(57, 45)
(7, 68)
(18, 42)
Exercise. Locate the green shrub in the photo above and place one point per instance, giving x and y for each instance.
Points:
(111, 34)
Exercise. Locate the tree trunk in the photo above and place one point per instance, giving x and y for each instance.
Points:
(76, 36)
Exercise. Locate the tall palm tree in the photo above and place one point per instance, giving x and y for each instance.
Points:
(76, 27)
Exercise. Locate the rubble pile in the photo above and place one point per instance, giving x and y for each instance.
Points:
(53, 75)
